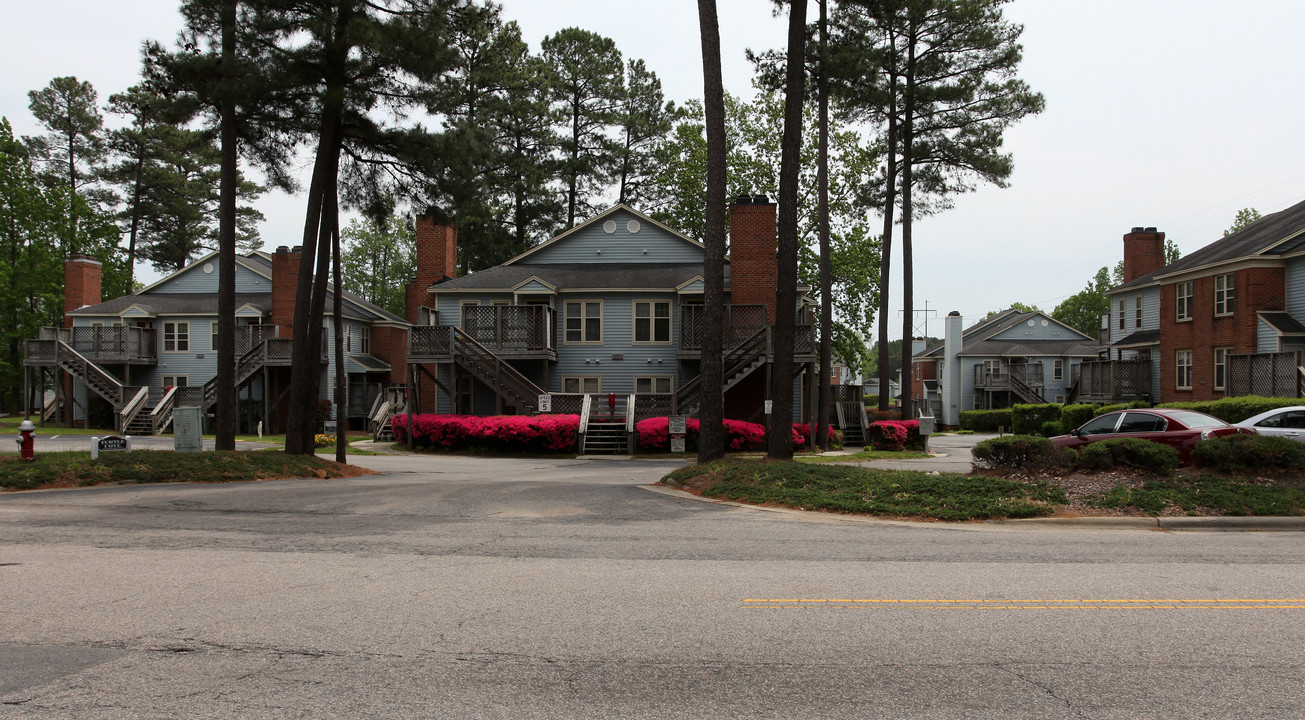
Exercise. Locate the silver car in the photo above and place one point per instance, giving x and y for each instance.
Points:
(1279, 422)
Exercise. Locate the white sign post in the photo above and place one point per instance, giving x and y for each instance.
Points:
(545, 403)
(677, 427)
(110, 443)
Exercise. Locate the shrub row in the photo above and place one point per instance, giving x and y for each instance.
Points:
(557, 433)
(894, 435)
(985, 420)
(1231, 454)
(1235, 409)
(1038, 453)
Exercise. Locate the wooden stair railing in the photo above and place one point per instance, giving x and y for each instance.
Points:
(737, 364)
(495, 372)
(1021, 388)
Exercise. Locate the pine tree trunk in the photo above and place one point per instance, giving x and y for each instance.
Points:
(780, 430)
(225, 410)
(711, 431)
(908, 176)
(826, 270)
(337, 309)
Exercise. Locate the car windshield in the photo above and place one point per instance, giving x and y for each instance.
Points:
(1196, 420)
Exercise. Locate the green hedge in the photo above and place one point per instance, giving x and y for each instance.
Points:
(1128, 452)
(1235, 453)
(1072, 416)
(1030, 419)
(1235, 409)
(1020, 451)
(986, 420)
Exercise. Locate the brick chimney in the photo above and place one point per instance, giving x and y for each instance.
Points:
(1144, 252)
(753, 242)
(285, 283)
(437, 259)
(81, 284)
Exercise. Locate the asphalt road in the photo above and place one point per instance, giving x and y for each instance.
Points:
(464, 588)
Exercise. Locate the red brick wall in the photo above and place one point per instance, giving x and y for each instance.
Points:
(1254, 289)
(437, 258)
(81, 284)
(1144, 252)
(285, 281)
(391, 345)
(926, 370)
(753, 265)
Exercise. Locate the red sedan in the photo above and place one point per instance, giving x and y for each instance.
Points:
(1179, 429)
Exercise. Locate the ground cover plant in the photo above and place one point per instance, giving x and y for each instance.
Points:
(841, 488)
(71, 469)
(1208, 494)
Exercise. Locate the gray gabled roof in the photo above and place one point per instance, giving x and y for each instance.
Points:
(565, 276)
(1273, 235)
(978, 339)
(173, 304)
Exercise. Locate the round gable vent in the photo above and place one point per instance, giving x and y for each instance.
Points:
(632, 226)
(609, 227)
(208, 267)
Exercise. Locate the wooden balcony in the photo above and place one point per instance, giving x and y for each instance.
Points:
(113, 345)
(527, 332)
(987, 377)
(1111, 381)
(741, 323)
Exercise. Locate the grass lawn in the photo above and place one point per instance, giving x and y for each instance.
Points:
(71, 469)
(839, 488)
(951, 496)
(867, 454)
(1208, 494)
(9, 426)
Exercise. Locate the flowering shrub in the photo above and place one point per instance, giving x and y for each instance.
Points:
(894, 434)
(654, 435)
(547, 433)
(322, 441)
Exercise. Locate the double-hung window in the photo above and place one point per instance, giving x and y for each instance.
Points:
(1221, 367)
(652, 384)
(176, 337)
(1183, 368)
(1137, 312)
(584, 321)
(365, 339)
(587, 384)
(1223, 294)
(1121, 313)
(652, 321)
(1057, 369)
(1183, 290)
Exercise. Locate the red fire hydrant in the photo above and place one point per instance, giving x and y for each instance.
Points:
(27, 440)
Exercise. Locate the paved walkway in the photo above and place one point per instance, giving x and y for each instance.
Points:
(951, 453)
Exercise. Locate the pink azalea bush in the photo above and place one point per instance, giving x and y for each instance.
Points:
(894, 434)
(654, 435)
(517, 433)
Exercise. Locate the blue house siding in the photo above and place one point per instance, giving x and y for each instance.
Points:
(592, 243)
(195, 280)
(1295, 287)
(1266, 339)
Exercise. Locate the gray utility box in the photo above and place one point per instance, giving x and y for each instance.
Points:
(926, 425)
(186, 430)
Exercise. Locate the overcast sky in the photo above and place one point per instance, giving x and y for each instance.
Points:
(1174, 114)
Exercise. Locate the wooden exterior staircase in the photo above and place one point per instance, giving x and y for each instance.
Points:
(739, 362)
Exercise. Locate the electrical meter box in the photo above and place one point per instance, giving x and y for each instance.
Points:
(187, 435)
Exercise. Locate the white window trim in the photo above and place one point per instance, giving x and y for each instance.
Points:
(365, 339)
(1137, 313)
(670, 379)
(1221, 364)
(1057, 369)
(1179, 356)
(1122, 323)
(602, 311)
(1183, 310)
(185, 381)
(652, 322)
(1228, 293)
(163, 337)
(213, 335)
(580, 383)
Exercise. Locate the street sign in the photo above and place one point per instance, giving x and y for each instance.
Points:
(677, 425)
(545, 403)
(110, 443)
(769, 405)
(677, 444)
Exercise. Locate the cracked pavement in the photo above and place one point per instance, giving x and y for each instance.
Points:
(528, 588)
